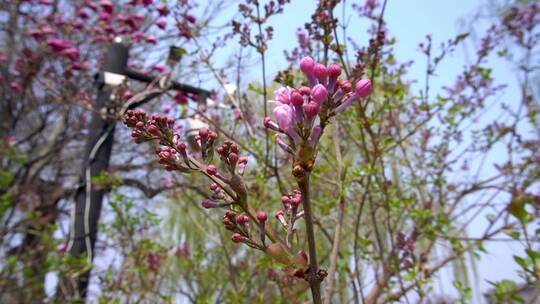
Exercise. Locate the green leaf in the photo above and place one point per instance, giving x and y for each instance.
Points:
(280, 253)
(517, 209)
(255, 89)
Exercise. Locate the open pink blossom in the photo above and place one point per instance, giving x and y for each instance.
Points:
(283, 95)
(284, 116)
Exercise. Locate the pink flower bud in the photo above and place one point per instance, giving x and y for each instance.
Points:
(151, 39)
(319, 93)
(311, 109)
(58, 45)
(283, 145)
(71, 53)
(345, 86)
(237, 115)
(153, 129)
(233, 159)
(261, 216)
(15, 86)
(238, 238)
(363, 88)
(191, 19)
(320, 72)
(159, 68)
(269, 124)
(214, 186)
(181, 146)
(297, 99)
(82, 14)
(161, 23)
(304, 90)
(280, 216)
(296, 200)
(203, 133)
(211, 169)
(209, 204)
(127, 95)
(285, 200)
(162, 10)
(242, 219)
(243, 160)
(306, 65)
(61, 248)
(105, 16)
(315, 134)
(334, 71)
(106, 5)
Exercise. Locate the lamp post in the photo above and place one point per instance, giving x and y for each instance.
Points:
(88, 198)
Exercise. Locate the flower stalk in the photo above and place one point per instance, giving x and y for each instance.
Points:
(314, 275)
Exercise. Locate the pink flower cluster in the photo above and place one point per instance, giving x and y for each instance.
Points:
(227, 189)
(239, 224)
(145, 129)
(296, 110)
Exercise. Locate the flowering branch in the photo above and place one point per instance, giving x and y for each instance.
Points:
(296, 111)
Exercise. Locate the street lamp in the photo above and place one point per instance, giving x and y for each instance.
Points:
(88, 199)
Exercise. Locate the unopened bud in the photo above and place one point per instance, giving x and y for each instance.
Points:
(363, 88)
(334, 71)
(261, 216)
(304, 90)
(153, 129)
(238, 238)
(319, 93)
(296, 200)
(269, 124)
(311, 109)
(242, 219)
(211, 169)
(203, 133)
(233, 159)
(306, 65)
(320, 72)
(345, 86)
(209, 204)
(297, 99)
